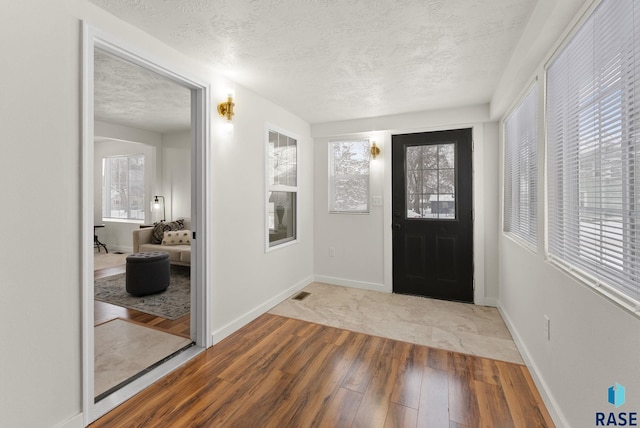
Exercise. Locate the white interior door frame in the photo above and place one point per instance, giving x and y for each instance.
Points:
(92, 38)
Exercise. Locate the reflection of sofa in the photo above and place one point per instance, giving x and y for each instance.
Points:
(178, 254)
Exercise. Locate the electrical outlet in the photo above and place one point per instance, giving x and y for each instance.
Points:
(332, 252)
(547, 328)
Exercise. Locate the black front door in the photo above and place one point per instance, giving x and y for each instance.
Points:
(432, 215)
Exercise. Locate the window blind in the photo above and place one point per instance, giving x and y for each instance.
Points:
(521, 170)
(593, 150)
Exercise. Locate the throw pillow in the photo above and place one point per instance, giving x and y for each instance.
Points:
(177, 237)
(160, 228)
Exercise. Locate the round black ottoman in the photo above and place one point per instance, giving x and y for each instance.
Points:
(147, 273)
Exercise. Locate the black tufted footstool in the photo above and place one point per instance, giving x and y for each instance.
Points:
(147, 273)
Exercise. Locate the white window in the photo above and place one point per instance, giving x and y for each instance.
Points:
(594, 152)
(521, 169)
(349, 176)
(123, 187)
(282, 188)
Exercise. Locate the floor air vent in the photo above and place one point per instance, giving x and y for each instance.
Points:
(301, 295)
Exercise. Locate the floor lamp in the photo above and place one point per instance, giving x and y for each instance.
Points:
(156, 206)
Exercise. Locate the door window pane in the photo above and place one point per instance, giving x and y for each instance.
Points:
(431, 181)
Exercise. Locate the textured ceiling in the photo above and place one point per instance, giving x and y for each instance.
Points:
(129, 95)
(328, 60)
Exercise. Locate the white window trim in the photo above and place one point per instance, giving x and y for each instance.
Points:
(627, 303)
(145, 187)
(623, 301)
(268, 188)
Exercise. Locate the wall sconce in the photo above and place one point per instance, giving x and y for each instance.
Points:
(375, 151)
(156, 206)
(225, 109)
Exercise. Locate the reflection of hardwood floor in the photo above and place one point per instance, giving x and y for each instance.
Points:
(281, 372)
(113, 270)
(104, 312)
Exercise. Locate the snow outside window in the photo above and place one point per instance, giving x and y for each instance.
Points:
(349, 176)
(123, 187)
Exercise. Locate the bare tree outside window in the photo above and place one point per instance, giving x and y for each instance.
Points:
(349, 176)
(431, 181)
(123, 187)
(283, 152)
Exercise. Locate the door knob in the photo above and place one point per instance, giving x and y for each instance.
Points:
(396, 226)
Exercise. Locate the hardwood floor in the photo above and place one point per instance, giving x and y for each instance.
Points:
(104, 312)
(282, 372)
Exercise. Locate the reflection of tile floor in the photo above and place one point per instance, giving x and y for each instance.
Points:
(124, 349)
(459, 327)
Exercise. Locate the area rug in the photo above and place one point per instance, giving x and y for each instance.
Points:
(172, 303)
(124, 349)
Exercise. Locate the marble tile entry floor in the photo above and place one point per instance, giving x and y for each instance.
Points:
(459, 327)
(124, 349)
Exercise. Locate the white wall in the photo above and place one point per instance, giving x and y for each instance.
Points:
(176, 174)
(39, 171)
(594, 343)
(249, 279)
(127, 133)
(491, 162)
(357, 239)
(549, 19)
(40, 360)
(362, 243)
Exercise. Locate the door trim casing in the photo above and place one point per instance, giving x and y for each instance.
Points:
(477, 136)
(93, 38)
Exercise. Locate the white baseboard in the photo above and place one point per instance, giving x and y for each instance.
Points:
(547, 396)
(245, 319)
(74, 422)
(351, 283)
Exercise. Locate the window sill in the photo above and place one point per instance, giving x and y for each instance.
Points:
(628, 304)
(122, 221)
(521, 242)
(282, 244)
(350, 212)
